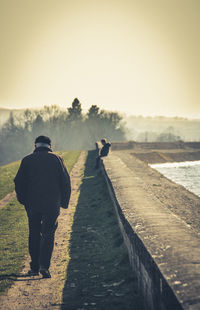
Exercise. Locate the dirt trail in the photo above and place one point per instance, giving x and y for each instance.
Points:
(6, 199)
(35, 292)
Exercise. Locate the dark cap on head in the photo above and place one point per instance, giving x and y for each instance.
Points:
(43, 139)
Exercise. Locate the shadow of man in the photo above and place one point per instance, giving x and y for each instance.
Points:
(98, 274)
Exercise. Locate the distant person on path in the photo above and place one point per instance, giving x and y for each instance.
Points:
(103, 152)
(42, 185)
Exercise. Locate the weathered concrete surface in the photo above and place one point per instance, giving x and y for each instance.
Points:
(163, 249)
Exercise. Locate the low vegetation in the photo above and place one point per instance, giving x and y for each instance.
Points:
(14, 228)
(70, 158)
(7, 174)
(13, 242)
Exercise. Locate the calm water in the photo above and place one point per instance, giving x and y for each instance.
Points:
(186, 173)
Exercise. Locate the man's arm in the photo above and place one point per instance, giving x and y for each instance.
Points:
(21, 183)
(65, 185)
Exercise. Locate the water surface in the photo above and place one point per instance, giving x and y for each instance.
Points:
(185, 173)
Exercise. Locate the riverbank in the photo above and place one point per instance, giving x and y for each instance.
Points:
(161, 152)
(163, 156)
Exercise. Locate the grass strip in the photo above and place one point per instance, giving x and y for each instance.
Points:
(7, 174)
(13, 242)
(70, 158)
(14, 234)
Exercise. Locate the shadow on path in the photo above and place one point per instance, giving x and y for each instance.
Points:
(19, 277)
(99, 274)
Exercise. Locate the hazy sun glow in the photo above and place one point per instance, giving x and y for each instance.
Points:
(121, 55)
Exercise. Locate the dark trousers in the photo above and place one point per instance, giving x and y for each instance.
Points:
(98, 159)
(97, 162)
(42, 229)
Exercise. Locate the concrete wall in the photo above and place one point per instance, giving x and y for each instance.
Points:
(164, 252)
(156, 292)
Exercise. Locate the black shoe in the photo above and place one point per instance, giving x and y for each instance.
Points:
(45, 273)
(32, 273)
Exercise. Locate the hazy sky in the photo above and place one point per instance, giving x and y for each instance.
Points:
(134, 56)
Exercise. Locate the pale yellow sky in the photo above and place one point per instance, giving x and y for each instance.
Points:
(133, 56)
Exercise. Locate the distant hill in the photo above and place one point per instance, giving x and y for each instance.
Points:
(147, 129)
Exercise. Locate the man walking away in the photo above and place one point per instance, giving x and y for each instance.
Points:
(42, 185)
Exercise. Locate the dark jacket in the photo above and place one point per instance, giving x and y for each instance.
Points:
(42, 182)
(105, 150)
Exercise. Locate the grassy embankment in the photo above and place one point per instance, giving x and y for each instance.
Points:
(7, 174)
(13, 227)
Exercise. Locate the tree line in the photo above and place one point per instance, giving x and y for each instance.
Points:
(69, 129)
